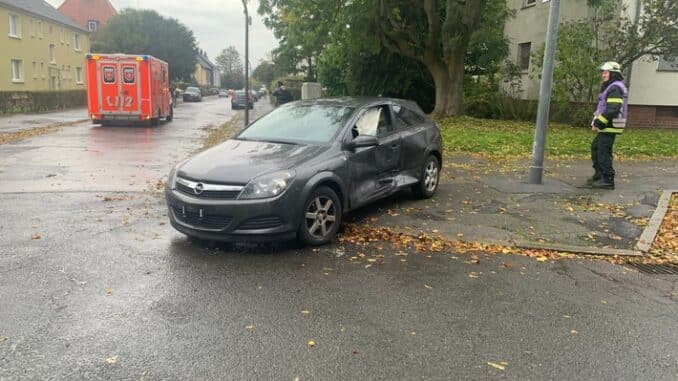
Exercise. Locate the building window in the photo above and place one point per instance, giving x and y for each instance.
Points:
(529, 3)
(78, 75)
(665, 65)
(35, 70)
(524, 55)
(77, 42)
(14, 26)
(93, 25)
(52, 58)
(42, 70)
(17, 71)
(61, 35)
(39, 29)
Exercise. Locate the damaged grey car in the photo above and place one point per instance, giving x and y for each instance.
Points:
(296, 171)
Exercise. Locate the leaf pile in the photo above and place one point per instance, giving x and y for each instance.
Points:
(373, 237)
(665, 246)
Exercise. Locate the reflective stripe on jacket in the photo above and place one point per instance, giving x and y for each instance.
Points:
(612, 109)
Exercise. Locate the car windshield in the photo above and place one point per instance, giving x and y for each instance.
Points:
(299, 123)
(192, 90)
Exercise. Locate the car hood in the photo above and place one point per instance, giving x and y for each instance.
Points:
(239, 161)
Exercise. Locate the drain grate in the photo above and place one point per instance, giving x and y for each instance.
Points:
(665, 269)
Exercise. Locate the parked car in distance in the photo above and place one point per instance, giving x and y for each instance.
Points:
(295, 171)
(240, 100)
(223, 94)
(192, 94)
(255, 96)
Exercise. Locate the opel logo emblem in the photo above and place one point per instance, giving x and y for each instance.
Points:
(199, 187)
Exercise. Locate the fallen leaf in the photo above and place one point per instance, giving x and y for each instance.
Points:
(311, 343)
(305, 312)
(109, 291)
(472, 275)
(35, 236)
(574, 332)
(496, 365)
(427, 286)
(250, 327)
(542, 258)
(112, 360)
(3, 338)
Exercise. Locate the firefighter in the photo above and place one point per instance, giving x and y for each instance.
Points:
(282, 94)
(609, 120)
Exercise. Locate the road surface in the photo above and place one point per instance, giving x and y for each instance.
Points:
(95, 285)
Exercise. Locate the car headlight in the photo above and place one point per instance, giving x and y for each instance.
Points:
(267, 186)
(172, 178)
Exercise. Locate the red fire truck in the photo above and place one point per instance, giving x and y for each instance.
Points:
(125, 87)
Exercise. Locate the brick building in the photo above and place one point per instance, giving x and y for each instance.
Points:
(89, 14)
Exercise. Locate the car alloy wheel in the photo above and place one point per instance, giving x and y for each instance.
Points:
(431, 176)
(322, 217)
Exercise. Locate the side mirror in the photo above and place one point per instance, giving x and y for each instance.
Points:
(363, 141)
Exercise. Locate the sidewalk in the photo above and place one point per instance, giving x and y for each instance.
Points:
(18, 122)
(479, 201)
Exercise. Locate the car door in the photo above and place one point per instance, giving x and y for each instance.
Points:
(412, 128)
(373, 170)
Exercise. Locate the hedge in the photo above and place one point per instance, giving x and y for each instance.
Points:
(40, 101)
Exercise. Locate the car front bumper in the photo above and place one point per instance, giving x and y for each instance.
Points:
(265, 220)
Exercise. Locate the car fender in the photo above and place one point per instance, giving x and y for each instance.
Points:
(321, 177)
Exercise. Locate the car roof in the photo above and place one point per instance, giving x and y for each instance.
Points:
(363, 101)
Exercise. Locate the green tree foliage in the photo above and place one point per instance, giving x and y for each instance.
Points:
(147, 32)
(266, 72)
(232, 69)
(386, 46)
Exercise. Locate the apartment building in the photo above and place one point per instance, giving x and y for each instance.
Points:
(40, 48)
(653, 90)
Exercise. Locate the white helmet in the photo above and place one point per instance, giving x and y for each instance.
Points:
(611, 66)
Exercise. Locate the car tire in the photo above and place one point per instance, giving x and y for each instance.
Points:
(320, 218)
(429, 178)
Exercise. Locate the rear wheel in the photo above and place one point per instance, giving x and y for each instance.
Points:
(171, 114)
(429, 178)
(321, 217)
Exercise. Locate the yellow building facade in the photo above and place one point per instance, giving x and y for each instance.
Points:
(40, 50)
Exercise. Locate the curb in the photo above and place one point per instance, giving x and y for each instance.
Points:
(578, 249)
(645, 241)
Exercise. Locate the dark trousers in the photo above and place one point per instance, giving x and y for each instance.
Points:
(601, 153)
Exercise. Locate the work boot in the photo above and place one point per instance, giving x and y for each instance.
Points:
(596, 176)
(606, 182)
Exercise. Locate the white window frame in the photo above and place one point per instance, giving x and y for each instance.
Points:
(14, 23)
(42, 71)
(79, 76)
(17, 70)
(40, 35)
(52, 53)
(77, 45)
(91, 23)
(61, 35)
(35, 70)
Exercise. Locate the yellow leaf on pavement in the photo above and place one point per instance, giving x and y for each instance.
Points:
(305, 312)
(496, 365)
(3, 338)
(311, 343)
(427, 286)
(542, 259)
(109, 291)
(112, 360)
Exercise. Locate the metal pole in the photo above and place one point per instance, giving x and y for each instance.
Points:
(247, 68)
(537, 167)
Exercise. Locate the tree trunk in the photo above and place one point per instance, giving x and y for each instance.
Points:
(449, 84)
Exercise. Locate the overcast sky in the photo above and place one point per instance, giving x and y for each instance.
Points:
(216, 23)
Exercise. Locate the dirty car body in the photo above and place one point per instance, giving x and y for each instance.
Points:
(295, 171)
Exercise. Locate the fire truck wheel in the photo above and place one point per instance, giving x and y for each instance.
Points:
(171, 114)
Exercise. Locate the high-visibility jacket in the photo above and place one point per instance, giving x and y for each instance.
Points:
(612, 109)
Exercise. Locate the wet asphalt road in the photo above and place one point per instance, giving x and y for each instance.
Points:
(109, 291)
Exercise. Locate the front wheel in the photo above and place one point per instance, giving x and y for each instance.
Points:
(430, 177)
(321, 217)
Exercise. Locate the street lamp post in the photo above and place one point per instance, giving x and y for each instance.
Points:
(538, 147)
(247, 68)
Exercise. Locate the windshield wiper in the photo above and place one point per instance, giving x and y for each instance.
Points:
(278, 141)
